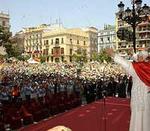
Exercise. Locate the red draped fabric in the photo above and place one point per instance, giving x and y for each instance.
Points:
(143, 71)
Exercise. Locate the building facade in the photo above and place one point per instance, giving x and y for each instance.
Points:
(33, 40)
(18, 41)
(58, 44)
(142, 35)
(4, 21)
(106, 37)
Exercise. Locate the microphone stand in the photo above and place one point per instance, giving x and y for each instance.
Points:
(104, 108)
(104, 97)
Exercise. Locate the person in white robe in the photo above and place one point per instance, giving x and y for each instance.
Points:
(140, 94)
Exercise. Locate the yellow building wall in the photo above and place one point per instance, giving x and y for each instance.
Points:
(71, 37)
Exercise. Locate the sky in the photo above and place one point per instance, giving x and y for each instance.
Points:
(72, 13)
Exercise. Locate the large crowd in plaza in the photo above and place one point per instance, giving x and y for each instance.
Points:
(56, 87)
(35, 79)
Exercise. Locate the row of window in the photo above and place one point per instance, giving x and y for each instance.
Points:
(33, 47)
(3, 23)
(108, 39)
(128, 46)
(56, 41)
(107, 33)
(53, 51)
(144, 29)
(60, 41)
(34, 41)
(60, 59)
(34, 36)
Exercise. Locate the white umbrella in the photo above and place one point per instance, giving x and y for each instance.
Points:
(2, 50)
(32, 61)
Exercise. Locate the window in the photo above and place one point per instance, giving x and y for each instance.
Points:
(57, 60)
(108, 39)
(70, 58)
(47, 42)
(84, 42)
(101, 39)
(51, 41)
(62, 40)
(70, 51)
(52, 59)
(45, 52)
(37, 48)
(52, 51)
(56, 41)
(4, 23)
(40, 35)
(62, 58)
(40, 42)
(62, 50)
(71, 41)
(77, 41)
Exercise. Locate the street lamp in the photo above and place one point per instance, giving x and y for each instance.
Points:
(133, 16)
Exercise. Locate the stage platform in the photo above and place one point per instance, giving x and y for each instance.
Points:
(113, 114)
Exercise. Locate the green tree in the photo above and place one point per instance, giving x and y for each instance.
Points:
(103, 56)
(8, 43)
(42, 59)
(4, 36)
(23, 57)
(80, 56)
(95, 56)
(12, 50)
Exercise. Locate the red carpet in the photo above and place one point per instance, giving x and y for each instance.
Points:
(114, 116)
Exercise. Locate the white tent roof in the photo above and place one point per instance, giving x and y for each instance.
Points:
(32, 61)
(2, 50)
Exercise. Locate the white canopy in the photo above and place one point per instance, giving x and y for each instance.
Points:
(32, 61)
(2, 50)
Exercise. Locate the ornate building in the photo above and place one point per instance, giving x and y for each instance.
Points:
(58, 44)
(142, 35)
(33, 40)
(106, 37)
(4, 20)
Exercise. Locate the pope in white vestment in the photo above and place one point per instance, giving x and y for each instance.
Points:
(140, 96)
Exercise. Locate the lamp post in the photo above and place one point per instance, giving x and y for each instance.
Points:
(133, 16)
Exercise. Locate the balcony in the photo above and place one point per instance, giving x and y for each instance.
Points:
(143, 31)
(56, 45)
(143, 38)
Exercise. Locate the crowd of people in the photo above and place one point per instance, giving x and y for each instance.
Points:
(56, 87)
(34, 80)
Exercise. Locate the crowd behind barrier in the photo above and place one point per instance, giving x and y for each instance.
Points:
(32, 92)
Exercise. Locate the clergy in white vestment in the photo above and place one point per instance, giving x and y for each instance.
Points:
(140, 94)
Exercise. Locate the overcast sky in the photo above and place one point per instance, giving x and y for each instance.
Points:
(72, 13)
